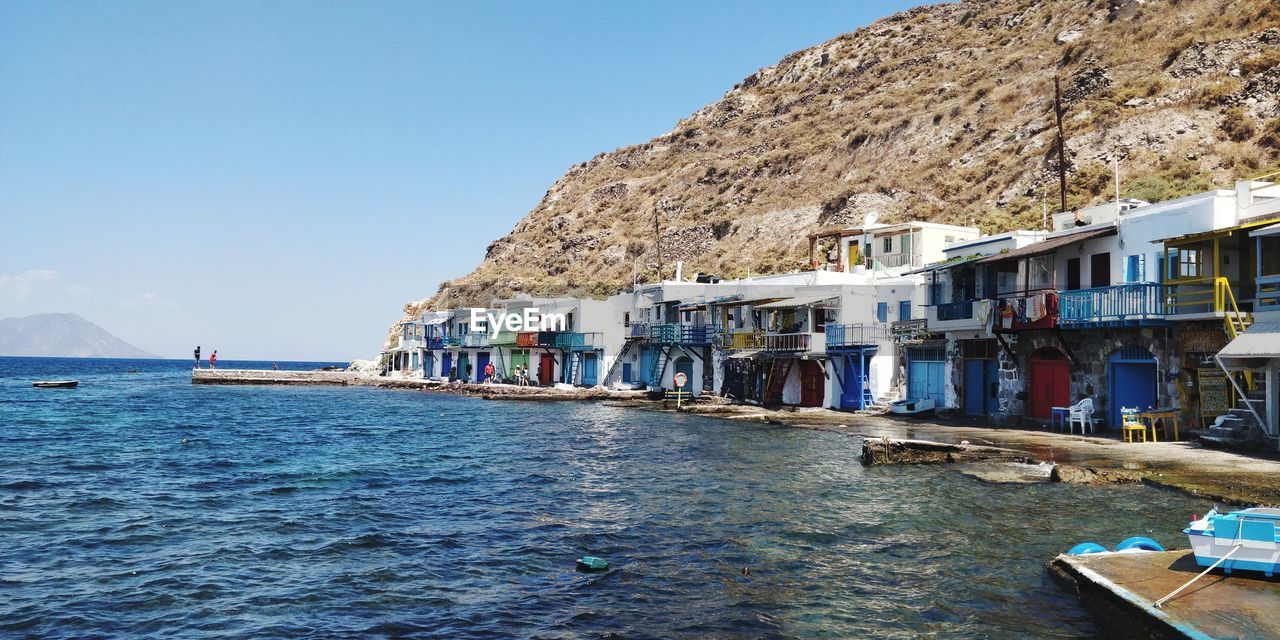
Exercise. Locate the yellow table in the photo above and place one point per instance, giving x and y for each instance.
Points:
(1168, 416)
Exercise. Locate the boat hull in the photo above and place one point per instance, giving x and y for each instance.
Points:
(56, 384)
(1251, 533)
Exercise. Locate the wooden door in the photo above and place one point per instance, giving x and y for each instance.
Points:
(811, 386)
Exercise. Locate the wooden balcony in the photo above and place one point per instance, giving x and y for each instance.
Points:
(1118, 305)
(527, 339)
(683, 334)
(741, 340)
(570, 340)
(1268, 295)
(787, 342)
(853, 336)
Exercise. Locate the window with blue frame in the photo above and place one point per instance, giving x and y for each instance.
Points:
(882, 311)
(904, 310)
(1135, 268)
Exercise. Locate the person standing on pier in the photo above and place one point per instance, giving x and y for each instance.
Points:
(197, 357)
(213, 359)
(489, 372)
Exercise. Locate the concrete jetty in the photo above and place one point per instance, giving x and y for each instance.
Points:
(358, 379)
(1119, 591)
(897, 451)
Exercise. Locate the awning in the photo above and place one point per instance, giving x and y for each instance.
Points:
(798, 301)
(1262, 340)
(740, 302)
(949, 264)
(748, 353)
(1216, 233)
(1046, 246)
(436, 321)
(1273, 230)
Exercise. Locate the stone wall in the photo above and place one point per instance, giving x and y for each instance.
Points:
(1090, 372)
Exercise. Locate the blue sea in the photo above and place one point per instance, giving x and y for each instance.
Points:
(139, 505)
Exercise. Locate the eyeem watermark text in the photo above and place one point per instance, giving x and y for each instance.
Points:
(531, 320)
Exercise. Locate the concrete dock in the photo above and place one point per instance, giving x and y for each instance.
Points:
(1119, 591)
(357, 379)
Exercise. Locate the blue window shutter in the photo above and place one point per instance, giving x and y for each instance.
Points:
(882, 311)
(904, 310)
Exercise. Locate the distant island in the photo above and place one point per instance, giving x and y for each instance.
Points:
(62, 335)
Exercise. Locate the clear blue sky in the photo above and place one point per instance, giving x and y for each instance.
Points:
(275, 180)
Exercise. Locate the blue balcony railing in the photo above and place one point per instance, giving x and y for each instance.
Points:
(475, 340)
(687, 334)
(846, 336)
(1268, 293)
(638, 330)
(664, 333)
(434, 342)
(569, 339)
(955, 311)
(1121, 303)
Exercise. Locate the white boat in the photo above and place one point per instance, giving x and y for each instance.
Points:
(911, 407)
(1246, 538)
(55, 384)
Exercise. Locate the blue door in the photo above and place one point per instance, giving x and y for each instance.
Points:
(482, 360)
(429, 365)
(904, 310)
(589, 369)
(854, 392)
(446, 363)
(980, 378)
(646, 361)
(1133, 382)
(626, 372)
(925, 369)
(684, 365)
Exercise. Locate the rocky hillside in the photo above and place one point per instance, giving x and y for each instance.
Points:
(941, 113)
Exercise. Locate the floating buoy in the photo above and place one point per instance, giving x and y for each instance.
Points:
(1139, 542)
(592, 563)
(1086, 548)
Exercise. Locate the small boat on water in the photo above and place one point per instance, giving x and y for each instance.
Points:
(55, 384)
(1247, 539)
(911, 407)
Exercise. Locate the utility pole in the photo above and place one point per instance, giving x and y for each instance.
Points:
(657, 242)
(1062, 146)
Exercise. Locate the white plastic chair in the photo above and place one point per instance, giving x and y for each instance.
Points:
(1080, 412)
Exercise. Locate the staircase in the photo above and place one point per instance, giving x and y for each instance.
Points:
(1236, 321)
(575, 362)
(778, 373)
(868, 400)
(617, 362)
(1242, 427)
(658, 367)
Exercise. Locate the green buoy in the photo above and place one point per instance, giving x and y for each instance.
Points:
(592, 563)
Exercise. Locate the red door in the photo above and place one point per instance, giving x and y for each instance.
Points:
(1049, 384)
(546, 369)
(811, 387)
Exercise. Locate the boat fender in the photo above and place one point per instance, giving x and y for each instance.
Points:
(1085, 548)
(1139, 542)
(592, 563)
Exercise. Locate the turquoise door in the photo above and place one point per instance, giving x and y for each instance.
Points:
(463, 363)
(646, 362)
(925, 369)
(429, 365)
(589, 367)
(684, 365)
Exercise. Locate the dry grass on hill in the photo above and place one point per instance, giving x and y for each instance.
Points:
(940, 113)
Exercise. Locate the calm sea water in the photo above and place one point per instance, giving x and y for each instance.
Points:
(140, 505)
